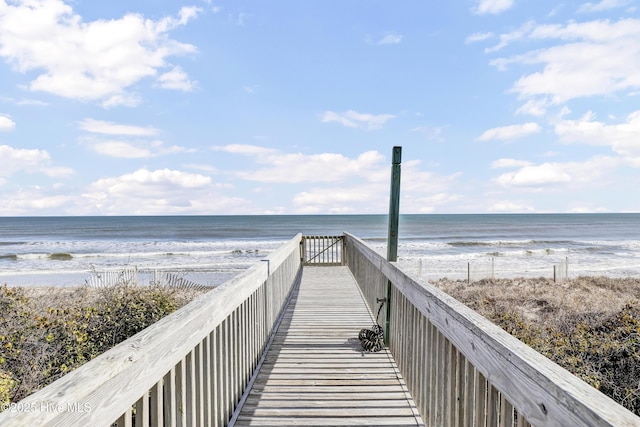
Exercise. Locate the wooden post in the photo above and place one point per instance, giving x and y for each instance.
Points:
(394, 217)
(394, 206)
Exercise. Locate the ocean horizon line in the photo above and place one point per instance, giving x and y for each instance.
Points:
(323, 215)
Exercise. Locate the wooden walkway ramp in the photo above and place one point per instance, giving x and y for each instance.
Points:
(315, 372)
(191, 368)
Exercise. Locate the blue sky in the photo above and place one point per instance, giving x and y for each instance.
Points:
(293, 107)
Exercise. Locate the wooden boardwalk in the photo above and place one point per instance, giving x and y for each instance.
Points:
(315, 372)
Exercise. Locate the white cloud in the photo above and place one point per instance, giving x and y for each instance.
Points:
(338, 200)
(493, 6)
(391, 38)
(186, 14)
(422, 192)
(585, 209)
(428, 204)
(478, 37)
(120, 149)
(510, 132)
(176, 79)
(354, 119)
(297, 167)
(510, 206)
(34, 200)
(124, 99)
(164, 191)
(14, 160)
(203, 168)
(134, 149)
(535, 176)
(623, 138)
(34, 102)
(125, 148)
(250, 89)
(110, 128)
(507, 38)
(342, 184)
(369, 198)
(57, 171)
(153, 181)
(6, 123)
(86, 60)
(590, 31)
(245, 149)
(509, 163)
(534, 107)
(416, 182)
(575, 174)
(574, 67)
(431, 133)
(602, 5)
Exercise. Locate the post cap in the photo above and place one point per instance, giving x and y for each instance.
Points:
(397, 155)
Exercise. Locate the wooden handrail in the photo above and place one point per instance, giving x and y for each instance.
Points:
(461, 369)
(190, 368)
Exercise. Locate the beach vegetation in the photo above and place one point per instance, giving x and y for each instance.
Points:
(588, 325)
(47, 332)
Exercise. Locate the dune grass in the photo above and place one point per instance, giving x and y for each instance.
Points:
(47, 332)
(588, 325)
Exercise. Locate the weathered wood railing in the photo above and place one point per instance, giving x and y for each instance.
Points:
(463, 370)
(192, 367)
(188, 369)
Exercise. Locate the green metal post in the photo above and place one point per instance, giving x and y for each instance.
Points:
(394, 206)
(394, 217)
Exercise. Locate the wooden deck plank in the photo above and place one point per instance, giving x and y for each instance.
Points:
(316, 373)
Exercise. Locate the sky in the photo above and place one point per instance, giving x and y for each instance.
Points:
(206, 107)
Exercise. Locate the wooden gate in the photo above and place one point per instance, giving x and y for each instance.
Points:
(322, 250)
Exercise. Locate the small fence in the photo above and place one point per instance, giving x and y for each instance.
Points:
(105, 279)
(483, 271)
(131, 276)
(489, 268)
(561, 271)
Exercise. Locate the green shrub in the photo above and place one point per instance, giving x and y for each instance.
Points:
(604, 351)
(44, 336)
(588, 325)
(126, 310)
(17, 327)
(7, 384)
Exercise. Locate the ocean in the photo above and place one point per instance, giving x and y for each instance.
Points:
(67, 251)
